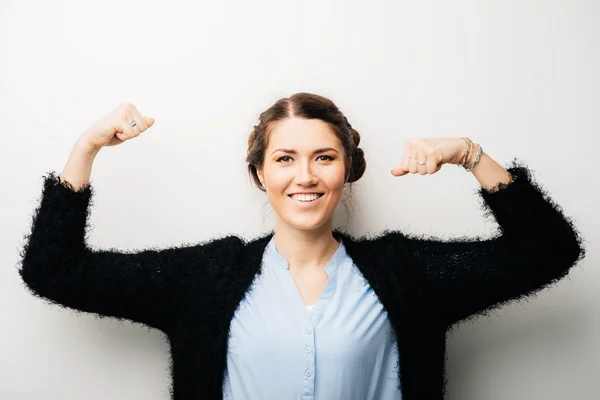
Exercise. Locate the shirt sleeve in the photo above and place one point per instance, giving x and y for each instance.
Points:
(537, 245)
(142, 286)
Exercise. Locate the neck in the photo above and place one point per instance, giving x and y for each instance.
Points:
(305, 250)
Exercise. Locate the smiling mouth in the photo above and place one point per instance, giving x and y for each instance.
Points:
(305, 197)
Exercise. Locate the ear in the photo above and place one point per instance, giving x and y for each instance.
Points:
(261, 176)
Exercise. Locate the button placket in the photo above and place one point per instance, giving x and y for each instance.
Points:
(308, 386)
(312, 319)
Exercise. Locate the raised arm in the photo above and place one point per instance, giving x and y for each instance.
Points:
(56, 263)
(537, 246)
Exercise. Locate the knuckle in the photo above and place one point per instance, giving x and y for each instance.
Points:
(126, 106)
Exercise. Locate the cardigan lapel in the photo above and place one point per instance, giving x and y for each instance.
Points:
(388, 277)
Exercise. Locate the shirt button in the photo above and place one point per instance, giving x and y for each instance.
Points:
(307, 349)
(308, 331)
(308, 373)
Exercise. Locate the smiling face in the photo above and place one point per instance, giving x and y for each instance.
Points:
(303, 173)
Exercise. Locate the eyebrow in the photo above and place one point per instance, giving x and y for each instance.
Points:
(317, 151)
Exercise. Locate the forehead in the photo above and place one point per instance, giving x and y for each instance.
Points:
(300, 133)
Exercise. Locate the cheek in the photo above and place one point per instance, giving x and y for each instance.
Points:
(277, 179)
(335, 179)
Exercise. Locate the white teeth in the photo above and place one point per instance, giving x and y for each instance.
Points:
(305, 197)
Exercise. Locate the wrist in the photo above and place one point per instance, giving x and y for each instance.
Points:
(84, 147)
(472, 155)
(466, 150)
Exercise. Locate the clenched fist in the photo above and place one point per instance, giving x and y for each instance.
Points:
(121, 124)
(426, 156)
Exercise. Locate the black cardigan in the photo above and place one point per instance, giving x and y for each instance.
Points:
(191, 292)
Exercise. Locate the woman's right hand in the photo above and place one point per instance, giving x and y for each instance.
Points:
(115, 128)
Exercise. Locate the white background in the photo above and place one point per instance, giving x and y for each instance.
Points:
(519, 77)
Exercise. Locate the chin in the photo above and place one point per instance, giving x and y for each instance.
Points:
(307, 224)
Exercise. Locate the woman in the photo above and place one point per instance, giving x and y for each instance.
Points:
(307, 311)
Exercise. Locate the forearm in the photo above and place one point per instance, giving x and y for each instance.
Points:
(78, 168)
(488, 172)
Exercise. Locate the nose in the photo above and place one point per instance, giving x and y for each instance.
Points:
(305, 176)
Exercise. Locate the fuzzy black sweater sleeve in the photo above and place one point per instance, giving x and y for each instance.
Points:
(536, 247)
(142, 286)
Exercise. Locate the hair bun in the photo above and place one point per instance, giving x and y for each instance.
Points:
(355, 137)
(359, 164)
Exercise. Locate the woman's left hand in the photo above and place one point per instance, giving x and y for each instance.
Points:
(426, 156)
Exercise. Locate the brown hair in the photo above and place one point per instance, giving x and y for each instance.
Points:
(309, 106)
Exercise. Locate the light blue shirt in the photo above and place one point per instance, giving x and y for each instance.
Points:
(343, 348)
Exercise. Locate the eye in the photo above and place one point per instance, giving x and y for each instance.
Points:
(284, 159)
(325, 158)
